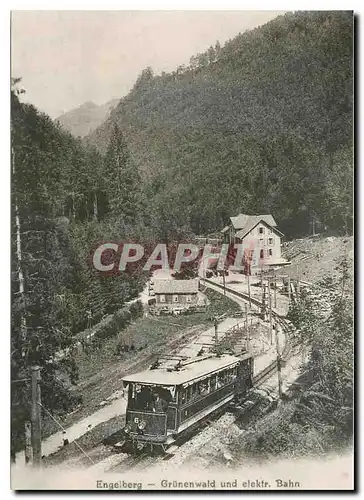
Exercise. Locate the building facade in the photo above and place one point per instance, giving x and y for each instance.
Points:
(261, 238)
(174, 294)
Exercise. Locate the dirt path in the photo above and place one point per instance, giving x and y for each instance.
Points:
(105, 387)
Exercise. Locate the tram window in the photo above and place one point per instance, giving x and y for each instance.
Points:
(195, 391)
(183, 396)
(224, 377)
(213, 383)
(204, 387)
(188, 393)
(144, 397)
(169, 393)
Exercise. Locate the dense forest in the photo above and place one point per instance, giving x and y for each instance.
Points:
(260, 125)
(63, 206)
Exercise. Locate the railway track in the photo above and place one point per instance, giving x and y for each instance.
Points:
(144, 460)
(265, 374)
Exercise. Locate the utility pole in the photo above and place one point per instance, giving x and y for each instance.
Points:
(246, 318)
(263, 307)
(270, 312)
(275, 292)
(28, 442)
(289, 290)
(216, 336)
(36, 417)
(223, 280)
(261, 282)
(279, 363)
(250, 299)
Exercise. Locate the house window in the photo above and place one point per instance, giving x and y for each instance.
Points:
(270, 241)
(261, 242)
(262, 254)
(162, 298)
(261, 230)
(270, 230)
(188, 298)
(270, 252)
(175, 298)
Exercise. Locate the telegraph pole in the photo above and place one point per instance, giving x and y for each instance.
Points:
(275, 292)
(28, 442)
(223, 280)
(250, 299)
(215, 326)
(36, 417)
(289, 290)
(246, 318)
(279, 364)
(270, 312)
(261, 282)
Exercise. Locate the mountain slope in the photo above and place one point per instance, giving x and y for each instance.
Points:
(86, 118)
(261, 125)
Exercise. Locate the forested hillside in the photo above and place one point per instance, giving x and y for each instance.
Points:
(63, 206)
(260, 125)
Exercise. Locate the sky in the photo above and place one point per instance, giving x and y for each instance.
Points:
(66, 58)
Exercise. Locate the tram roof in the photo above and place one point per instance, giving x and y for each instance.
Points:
(188, 373)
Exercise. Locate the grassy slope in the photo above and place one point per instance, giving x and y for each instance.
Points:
(314, 258)
(102, 370)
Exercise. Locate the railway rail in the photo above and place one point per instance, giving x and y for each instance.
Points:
(143, 459)
(281, 320)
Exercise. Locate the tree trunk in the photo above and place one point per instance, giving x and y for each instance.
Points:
(95, 207)
(23, 326)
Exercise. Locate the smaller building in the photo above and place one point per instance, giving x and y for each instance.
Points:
(175, 294)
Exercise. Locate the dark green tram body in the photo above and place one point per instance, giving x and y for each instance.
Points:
(165, 403)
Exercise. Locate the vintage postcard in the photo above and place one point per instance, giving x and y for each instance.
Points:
(182, 250)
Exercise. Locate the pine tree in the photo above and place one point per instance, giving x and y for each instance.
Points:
(38, 329)
(121, 177)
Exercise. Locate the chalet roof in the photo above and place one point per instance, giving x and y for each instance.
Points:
(242, 220)
(253, 221)
(186, 374)
(226, 228)
(239, 221)
(176, 286)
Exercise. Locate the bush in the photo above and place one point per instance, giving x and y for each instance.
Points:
(112, 325)
(136, 309)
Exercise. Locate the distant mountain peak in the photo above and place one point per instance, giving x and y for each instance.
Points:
(87, 117)
(89, 105)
